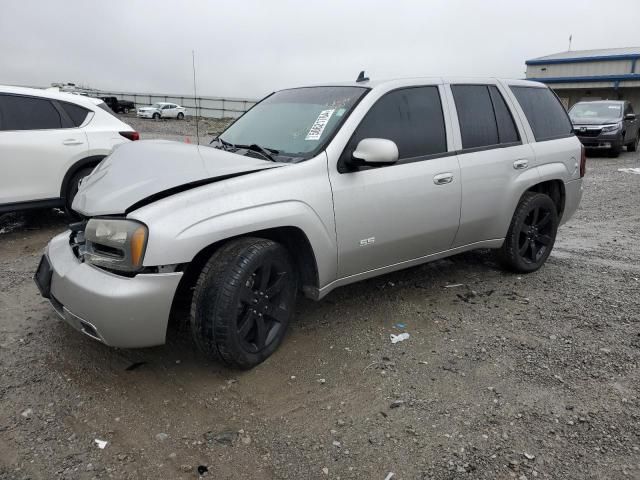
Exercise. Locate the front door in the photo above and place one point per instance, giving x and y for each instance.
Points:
(392, 214)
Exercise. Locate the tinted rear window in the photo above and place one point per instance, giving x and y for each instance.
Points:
(507, 131)
(545, 113)
(77, 113)
(475, 115)
(28, 113)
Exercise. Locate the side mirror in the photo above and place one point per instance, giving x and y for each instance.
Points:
(630, 116)
(375, 152)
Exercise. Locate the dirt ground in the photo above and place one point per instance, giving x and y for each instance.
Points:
(504, 376)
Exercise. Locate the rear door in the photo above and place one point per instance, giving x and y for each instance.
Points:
(493, 158)
(391, 214)
(37, 142)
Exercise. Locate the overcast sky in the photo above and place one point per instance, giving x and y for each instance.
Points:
(250, 48)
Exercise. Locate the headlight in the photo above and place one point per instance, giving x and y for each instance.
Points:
(612, 128)
(115, 244)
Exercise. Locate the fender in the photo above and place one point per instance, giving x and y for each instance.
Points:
(85, 162)
(521, 184)
(290, 213)
(559, 171)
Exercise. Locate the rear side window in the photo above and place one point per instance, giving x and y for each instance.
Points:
(475, 115)
(77, 113)
(545, 113)
(28, 113)
(507, 131)
(410, 117)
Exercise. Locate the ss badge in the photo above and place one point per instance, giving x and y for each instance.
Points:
(367, 241)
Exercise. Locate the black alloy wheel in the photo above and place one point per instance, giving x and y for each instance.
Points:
(531, 235)
(243, 301)
(535, 234)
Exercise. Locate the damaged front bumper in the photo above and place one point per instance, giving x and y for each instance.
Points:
(126, 312)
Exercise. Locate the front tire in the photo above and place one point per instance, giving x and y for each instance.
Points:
(531, 234)
(156, 116)
(180, 116)
(243, 301)
(633, 146)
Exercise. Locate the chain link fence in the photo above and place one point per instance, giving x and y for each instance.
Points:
(210, 107)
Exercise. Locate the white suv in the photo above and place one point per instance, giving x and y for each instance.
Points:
(49, 141)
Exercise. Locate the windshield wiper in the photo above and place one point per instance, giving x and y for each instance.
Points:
(265, 152)
(224, 145)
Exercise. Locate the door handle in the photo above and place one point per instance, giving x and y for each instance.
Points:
(521, 164)
(443, 178)
(72, 141)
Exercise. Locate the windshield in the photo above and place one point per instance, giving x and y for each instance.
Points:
(294, 123)
(586, 111)
(157, 105)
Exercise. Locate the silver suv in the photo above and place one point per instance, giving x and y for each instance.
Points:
(312, 189)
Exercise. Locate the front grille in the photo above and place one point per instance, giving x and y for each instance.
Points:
(587, 132)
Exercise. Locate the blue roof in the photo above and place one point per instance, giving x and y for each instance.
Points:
(580, 56)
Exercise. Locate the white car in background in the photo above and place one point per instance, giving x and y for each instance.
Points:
(162, 110)
(49, 141)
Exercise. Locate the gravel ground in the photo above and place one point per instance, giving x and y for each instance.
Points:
(505, 376)
(178, 130)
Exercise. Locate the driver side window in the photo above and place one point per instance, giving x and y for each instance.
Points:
(410, 117)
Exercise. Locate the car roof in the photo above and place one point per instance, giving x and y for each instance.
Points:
(403, 82)
(87, 102)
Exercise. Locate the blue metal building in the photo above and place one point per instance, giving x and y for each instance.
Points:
(605, 74)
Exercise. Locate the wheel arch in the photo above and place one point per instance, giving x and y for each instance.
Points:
(555, 189)
(86, 162)
(294, 239)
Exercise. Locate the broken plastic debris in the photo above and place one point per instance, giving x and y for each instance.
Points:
(399, 338)
(400, 326)
(454, 285)
(101, 443)
(630, 170)
(389, 476)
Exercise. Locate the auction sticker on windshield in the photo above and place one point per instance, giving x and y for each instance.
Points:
(315, 132)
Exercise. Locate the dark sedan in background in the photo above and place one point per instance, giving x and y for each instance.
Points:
(606, 124)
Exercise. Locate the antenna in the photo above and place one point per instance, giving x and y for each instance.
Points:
(362, 78)
(570, 38)
(195, 95)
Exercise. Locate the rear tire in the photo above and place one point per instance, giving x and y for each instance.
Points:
(180, 116)
(633, 146)
(72, 190)
(531, 234)
(243, 301)
(125, 110)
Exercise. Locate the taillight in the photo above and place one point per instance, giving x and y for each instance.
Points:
(131, 135)
(583, 161)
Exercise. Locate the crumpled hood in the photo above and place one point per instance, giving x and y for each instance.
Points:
(146, 109)
(138, 170)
